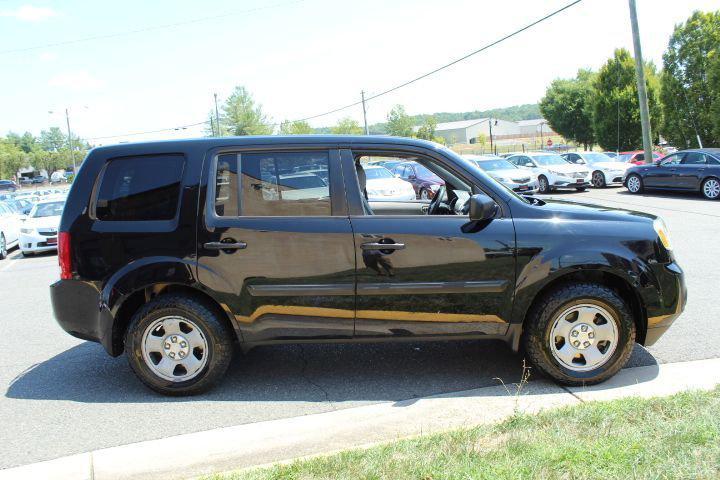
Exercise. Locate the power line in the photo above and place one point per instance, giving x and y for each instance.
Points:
(181, 127)
(145, 29)
(396, 87)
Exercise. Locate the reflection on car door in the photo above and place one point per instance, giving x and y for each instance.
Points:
(663, 175)
(258, 206)
(430, 275)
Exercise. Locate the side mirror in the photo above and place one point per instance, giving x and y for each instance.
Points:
(482, 208)
(412, 177)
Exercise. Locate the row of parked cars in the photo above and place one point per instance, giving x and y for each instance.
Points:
(30, 221)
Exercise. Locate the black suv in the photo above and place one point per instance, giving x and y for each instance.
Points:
(175, 251)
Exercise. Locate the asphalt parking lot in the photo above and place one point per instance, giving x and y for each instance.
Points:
(64, 396)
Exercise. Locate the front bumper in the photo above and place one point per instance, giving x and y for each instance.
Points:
(36, 243)
(525, 187)
(568, 182)
(396, 197)
(673, 297)
(614, 178)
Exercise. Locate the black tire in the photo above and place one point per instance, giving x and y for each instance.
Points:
(538, 326)
(598, 179)
(640, 183)
(218, 335)
(710, 193)
(543, 184)
(581, 189)
(427, 194)
(3, 247)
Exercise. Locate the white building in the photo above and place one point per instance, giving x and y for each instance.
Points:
(466, 131)
(531, 128)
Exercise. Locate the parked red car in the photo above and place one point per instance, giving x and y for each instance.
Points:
(637, 157)
(425, 182)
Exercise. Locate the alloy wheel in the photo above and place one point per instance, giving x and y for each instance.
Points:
(544, 188)
(711, 189)
(583, 337)
(3, 247)
(633, 184)
(598, 180)
(174, 348)
(424, 195)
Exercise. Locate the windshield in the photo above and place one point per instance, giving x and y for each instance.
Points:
(372, 173)
(490, 165)
(597, 157)
(549, 159)
(47, 209)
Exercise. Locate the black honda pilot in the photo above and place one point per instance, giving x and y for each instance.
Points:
(173, 252)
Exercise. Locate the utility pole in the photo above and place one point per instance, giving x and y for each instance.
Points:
(362, 95)
(217, 116)
(491, 140)
(640, 77)
(70, 142)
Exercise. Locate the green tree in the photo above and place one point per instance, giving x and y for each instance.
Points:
(714, 82)
(347, 126)
(399, 123)
(567, 106)
(616, 109)
(52, 140)
(242, 116)
(427, 129)
(12, 158)
(295, 128)
(688, 93)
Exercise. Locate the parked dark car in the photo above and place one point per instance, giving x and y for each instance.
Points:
(424, 181)
(39, 179)
(690, 170)
(173, 252)
(7, 186)
(25, 180)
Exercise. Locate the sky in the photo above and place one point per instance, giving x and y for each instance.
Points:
(156, 65)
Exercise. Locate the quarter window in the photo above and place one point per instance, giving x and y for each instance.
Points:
(140, 188)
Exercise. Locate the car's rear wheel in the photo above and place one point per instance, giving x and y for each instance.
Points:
(3, 247)
(634, 184)
(544, 185)
(580, 334)
(178, 345)
(598, 179)
(424, 194)
(711, 188)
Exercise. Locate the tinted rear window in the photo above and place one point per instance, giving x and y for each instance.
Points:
(140, 188)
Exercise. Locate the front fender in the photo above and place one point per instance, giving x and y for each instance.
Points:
(549, 267)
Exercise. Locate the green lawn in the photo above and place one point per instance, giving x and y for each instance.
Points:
(666, 438)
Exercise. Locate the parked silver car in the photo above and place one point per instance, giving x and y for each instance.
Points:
(515, 178)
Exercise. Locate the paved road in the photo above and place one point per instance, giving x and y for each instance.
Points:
(64, 396)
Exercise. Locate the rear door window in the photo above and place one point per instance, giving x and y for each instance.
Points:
(140, 188)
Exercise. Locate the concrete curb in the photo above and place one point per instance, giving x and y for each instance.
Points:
(241, 446)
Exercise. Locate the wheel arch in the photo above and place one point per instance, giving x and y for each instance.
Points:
(611, 279)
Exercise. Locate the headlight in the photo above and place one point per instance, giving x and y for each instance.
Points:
(434, 188)
(27, 230)
(662, 232)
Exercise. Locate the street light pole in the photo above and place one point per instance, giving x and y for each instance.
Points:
(70, 142)
(362, 95)
(491, 139)
(640, 77)
(217, 116)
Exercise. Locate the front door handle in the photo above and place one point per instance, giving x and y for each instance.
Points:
(382, 246)
(225, 245)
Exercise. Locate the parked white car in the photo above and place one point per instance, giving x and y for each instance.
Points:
(605, 170)
(552, 171)
(9, 226)
(383, 185)
(515, 178)
(39, 231)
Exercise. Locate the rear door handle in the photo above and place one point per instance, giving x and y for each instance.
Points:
(382, 246)
(225, 246)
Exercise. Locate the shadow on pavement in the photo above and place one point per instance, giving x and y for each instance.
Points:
(312, 373)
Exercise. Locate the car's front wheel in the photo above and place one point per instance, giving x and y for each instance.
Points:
(580, 334)
(598, 179)
(711, 189)
(178, 345)
(3, 247)
(634, 184)
(543, 184)
(424, 194)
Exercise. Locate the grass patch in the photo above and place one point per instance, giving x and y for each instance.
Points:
(664, 438)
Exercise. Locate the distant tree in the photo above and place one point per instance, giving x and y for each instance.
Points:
(481, 139)
(616, 109)
(52, 140)
(688, 94)
(567, 106)
(399, 123)
(347, 126)
(427, 129)
(295, 128)
(242, 116)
